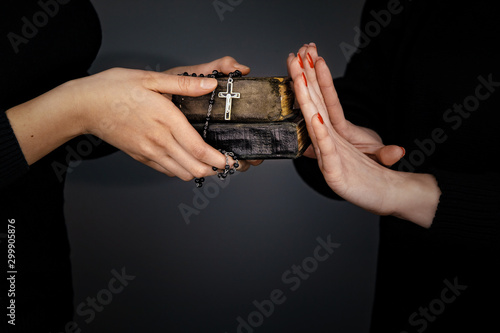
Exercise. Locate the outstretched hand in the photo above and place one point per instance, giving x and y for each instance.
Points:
(323, 94)
(353, 159)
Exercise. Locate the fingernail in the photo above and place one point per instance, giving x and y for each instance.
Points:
(304, 77)
(208, 83)
(312, 44)
(320, 119)
(404, 152)
(291, 54)
(300, 61)
(310, 60)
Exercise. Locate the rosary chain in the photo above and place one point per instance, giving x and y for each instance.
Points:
(227, 169)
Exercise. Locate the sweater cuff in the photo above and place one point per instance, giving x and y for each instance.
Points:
(468, 209)
(12, 161)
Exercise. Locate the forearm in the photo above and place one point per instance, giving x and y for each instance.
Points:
(46, 122)
(415, 197)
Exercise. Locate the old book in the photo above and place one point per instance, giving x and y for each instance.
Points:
(252, 117)
(255, 141)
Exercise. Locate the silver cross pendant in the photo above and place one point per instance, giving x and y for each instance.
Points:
(229, 95)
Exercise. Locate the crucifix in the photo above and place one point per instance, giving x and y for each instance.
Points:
(229, 95)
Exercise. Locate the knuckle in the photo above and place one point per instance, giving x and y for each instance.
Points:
(184, 83)
(199, 172)
(227, 61)
(199, 152)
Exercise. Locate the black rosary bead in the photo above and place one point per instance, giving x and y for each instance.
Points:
(227, 169)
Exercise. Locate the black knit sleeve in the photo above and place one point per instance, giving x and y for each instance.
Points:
(469, 207)
(12, 161)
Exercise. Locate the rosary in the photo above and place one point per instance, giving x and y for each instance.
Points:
(228, 95)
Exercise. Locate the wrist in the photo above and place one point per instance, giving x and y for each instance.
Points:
(45, 122)
(74, 107)
(416, 197)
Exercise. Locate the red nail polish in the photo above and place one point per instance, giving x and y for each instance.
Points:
(320, 118)
(304, 77)
(300, 61)
(404, 152)
(310, 60)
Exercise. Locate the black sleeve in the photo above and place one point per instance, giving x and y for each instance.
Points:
(469, 207)
(12, 161)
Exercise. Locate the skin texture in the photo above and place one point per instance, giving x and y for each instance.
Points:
(127, 109)
(354, 159)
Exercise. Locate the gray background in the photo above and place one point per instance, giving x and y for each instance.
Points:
(202, 276)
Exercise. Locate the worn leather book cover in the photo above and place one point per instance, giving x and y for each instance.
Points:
(256, 141)
(261, 122)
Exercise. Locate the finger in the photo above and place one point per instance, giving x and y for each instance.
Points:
(309, 152)
(311, 55)
(166, 165)
(244, 166)
(191, 142)
(325, 147)
(255, 162)
(330, 96)
(226, 65)
(289, 60)
(304, 100)
(388, 155)
(179, 130)
(188, 160)
(313, 86)
(229, 64)
(294, 65)
(159, 168)
(178, 85)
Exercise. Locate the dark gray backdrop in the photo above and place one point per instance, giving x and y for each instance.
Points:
(125, 219)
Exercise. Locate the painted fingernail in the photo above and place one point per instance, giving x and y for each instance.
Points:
(304, 77)
(320, 118)
(310, 60)
(404, 152)
(300, 61)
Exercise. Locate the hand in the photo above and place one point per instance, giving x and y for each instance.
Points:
(126, 109)
(224, 65)
(348, 170)
(364, 139)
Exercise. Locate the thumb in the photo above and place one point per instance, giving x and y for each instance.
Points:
(388, 155)
(179, 85)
